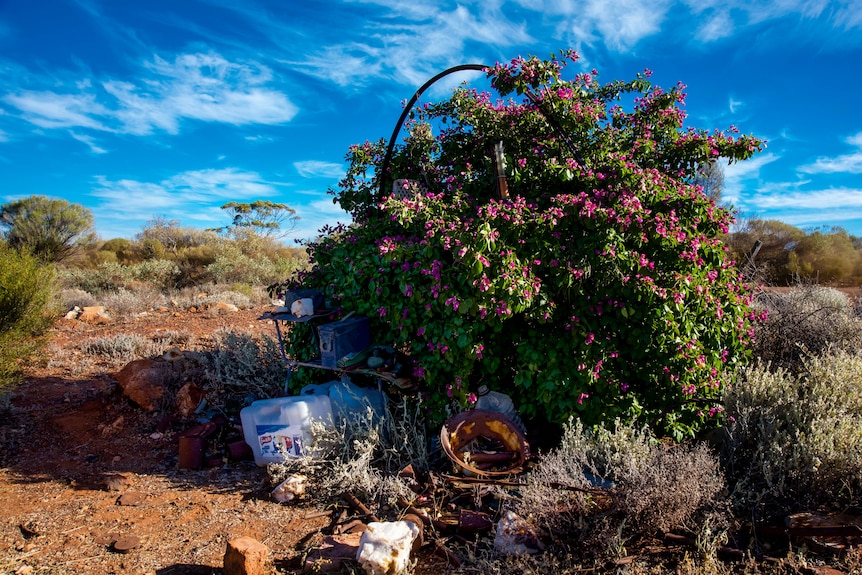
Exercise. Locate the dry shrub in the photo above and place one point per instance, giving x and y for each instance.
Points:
(228, 296)
(807, 319)
(122, 304)
(123, 347)
(245, 363)
(149, 297)
(207, 295)
(173, 338)
(362, 455)
(646, 488)
(72, 297)
(793, 440)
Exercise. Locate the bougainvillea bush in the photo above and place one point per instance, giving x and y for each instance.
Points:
(596, 287)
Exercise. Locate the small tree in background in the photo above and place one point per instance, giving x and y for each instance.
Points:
(596, 287)
(262, 217)
(827, 256)
(787, 254)
(50, 229)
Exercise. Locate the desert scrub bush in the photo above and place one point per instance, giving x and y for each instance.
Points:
(793, 441)
(71, 297)
(160, 273)
(807, 319)
(26, 300)
(123, 347)
(173, 338)
(362, 454)
(227, 295)
(148, 296)
(232, 265)
(242, 362)
(257, 295)
(121, 304)
(107, 276)
(646, 488)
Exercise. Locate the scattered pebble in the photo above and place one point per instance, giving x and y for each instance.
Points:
(131, 499)
(126, 543)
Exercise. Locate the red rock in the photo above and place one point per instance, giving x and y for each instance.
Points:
(223, 308)
(332, 553)
(144, 381)
(126, 543)
(188, 398)
(245, 556)
(94, 314)
(131, 499)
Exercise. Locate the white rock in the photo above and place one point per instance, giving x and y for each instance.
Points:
(516, 537)
(384, 548)
(73, 313)
(290, 488)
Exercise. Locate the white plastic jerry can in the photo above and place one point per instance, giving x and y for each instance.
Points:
(280, 428)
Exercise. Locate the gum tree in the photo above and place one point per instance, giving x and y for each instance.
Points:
(594, 286)
(51, 229)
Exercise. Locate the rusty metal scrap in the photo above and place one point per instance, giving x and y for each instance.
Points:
(461, 436)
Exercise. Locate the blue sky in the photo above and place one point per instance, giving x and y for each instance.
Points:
(173, 108)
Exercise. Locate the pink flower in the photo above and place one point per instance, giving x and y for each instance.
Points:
(479, 349)
(590, 338)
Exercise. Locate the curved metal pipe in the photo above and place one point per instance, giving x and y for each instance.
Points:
(460, 68)
(409, 107)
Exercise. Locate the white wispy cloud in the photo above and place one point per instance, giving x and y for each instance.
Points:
(735, 105)
(202, 86)
(717, 26)
(181, 193)
(804, 207)
(617, 24)
(742, 176)
(315, 213)
(317, 169)
(259, 138)
(762, 11)
(844, 164)
(89, 141)
(411, 43)
(124, 206)
(826, 199)
(724, 18)
(849, 16)
(48, 109)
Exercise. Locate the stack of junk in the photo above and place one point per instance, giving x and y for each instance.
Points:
(280, 428)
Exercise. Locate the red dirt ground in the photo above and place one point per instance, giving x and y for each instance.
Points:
(74, 445)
